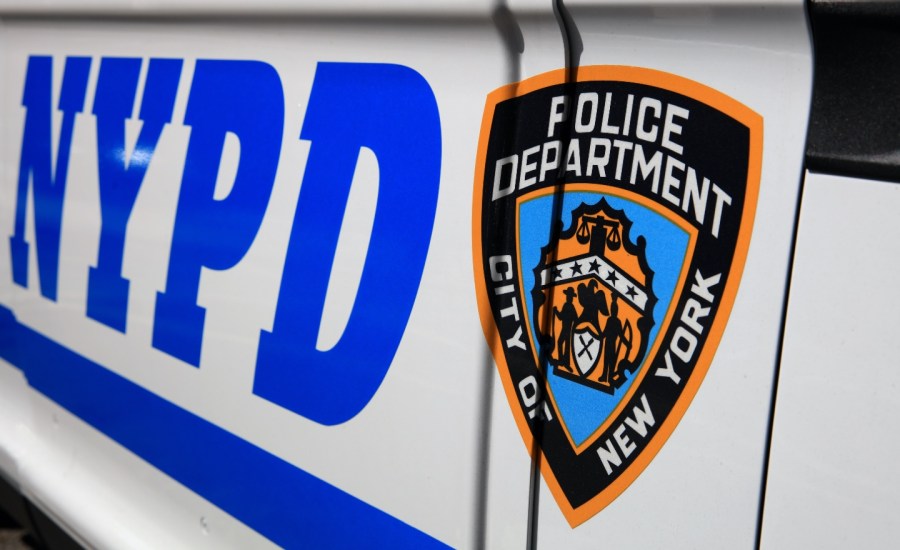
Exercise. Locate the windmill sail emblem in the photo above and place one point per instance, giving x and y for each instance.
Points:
(593, 299)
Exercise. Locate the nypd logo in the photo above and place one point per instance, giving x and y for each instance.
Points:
(226, 99)
(612, 217)
(131, 183)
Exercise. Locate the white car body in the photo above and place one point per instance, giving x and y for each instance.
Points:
(128, 442)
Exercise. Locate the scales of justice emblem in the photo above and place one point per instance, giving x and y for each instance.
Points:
(594, 299)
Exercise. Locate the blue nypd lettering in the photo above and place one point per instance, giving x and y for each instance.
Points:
(331, 386)
(389, 109)
(35, 166)
(245, 98)
(121, 177)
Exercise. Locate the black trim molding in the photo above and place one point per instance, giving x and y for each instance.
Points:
(47, 534)
(854, 127)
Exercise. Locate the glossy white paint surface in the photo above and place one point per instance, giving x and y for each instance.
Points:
(457, 468)
(833, 479)
(333, 7)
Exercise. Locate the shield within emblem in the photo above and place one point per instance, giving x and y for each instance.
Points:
(587, 344)
(593, 298)
(611, 220)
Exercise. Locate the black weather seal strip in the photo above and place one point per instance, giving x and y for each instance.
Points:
(44, 533)
(854, 127)
(51, 535)
(13, 504)
(782, 328)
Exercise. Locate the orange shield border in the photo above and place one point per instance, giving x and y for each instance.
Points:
(672, 146)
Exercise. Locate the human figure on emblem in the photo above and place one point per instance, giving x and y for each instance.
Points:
(567, 315)
(612, 335)
(593, 303)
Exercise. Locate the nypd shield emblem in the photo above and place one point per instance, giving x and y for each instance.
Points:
(592, 299)
(612, 217)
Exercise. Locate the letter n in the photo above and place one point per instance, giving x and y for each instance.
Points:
(47, 178)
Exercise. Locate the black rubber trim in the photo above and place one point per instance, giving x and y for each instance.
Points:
(854, 127)
(47, 534)
(14, 505)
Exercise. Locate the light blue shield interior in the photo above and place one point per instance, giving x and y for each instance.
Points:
(583, 409)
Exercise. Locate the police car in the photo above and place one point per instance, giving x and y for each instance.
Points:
(512, 274)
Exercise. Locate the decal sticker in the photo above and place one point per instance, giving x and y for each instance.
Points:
(612, 217)
(351, 106)
(244, 98)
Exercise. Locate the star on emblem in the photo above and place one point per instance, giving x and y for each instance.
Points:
(576, 268)
(631, 292)
(611, 277)
(595, 266)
